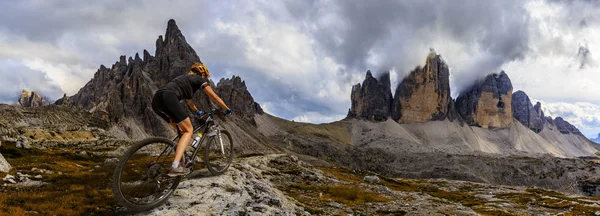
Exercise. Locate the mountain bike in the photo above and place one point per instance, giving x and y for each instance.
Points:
(140, 178)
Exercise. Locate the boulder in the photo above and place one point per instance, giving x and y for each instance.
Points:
(10, 179)
(4, 165)
(488, 103)
(372, 179)
(423, 95)
(373, 99)
(23, 142)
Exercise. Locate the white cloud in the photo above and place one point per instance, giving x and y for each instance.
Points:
(314, 117)
(301, 58)
(552, 71)
(585, 116)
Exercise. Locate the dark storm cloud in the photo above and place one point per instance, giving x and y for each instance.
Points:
(398, 30)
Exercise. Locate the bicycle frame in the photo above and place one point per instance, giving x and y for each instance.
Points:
(206, 126)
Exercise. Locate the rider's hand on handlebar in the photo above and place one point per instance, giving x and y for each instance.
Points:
(227, 112)
(199, 113)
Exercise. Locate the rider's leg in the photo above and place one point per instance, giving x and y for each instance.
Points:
(186, 134)
(172, 123)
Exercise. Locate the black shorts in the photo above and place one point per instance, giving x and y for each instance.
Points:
(166, 105)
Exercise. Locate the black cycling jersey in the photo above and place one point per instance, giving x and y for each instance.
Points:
(184, 86)
(165, 102)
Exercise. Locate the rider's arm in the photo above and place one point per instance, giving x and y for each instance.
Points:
(192, 105)
(211, 94)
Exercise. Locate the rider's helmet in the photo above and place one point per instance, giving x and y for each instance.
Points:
(200, 69)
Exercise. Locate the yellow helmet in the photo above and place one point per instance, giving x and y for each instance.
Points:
(200, 69)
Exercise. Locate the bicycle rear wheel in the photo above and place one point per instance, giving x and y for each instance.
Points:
(218, 157)
(140, 179)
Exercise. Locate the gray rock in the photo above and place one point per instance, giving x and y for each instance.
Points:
(372, 179)
(10, 179)
(373, 99)
(4, 165)
(526, 113)
(22, 177)
(238, 98)
(23, 142)
(38, 177)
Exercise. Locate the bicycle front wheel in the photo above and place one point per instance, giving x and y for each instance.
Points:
(219, 152)
(140, 178)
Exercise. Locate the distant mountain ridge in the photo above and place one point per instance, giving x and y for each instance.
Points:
(424, 96)
(31, 99)
(597, 139)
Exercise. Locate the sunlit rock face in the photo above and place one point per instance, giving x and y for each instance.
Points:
(488, 103)
(424, 95)
(31, 99)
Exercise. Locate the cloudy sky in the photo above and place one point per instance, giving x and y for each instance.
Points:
(300, 58)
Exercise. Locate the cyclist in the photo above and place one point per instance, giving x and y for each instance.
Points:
(165, 103)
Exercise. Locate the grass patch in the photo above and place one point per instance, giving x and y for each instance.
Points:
(350, 195)
(76, 192)
(343, 174)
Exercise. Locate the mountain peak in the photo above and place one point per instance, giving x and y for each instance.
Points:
(31, 99)
(373, 99)
(424, 94)
(172, 30)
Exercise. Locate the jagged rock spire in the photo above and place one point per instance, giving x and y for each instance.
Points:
(373, 99)
(31, 99)
(124, 92)
(526, 113)
(488, 103)
(424, 95)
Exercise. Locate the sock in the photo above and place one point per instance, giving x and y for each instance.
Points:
(175, 164)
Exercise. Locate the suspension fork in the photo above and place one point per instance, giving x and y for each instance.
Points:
(220, 141)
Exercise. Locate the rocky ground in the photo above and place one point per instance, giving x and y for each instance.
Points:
(285, 185)
(76, 180)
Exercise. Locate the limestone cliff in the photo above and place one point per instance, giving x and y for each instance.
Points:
(31, 99)
(526, 113)
(373, 99)
(488, 103)
(424, 95)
